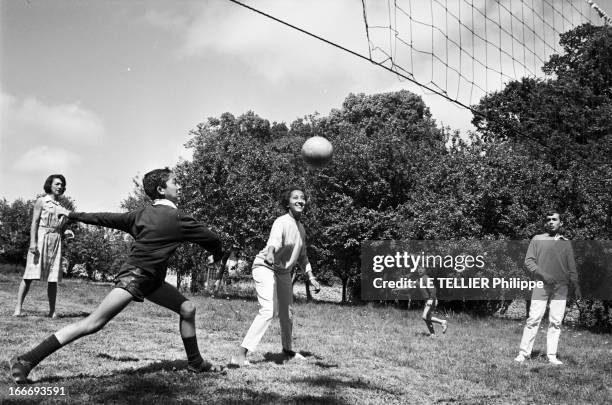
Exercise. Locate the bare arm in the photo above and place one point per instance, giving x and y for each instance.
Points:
(304, 264)
(530, 258)
(34, 226)
(573, 274)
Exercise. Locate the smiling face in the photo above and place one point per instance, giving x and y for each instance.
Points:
(297, 203)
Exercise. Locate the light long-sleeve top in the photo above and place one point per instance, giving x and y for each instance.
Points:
(553, 257)
(288, 238)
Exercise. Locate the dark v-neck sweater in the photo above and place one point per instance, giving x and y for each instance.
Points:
(157, 231)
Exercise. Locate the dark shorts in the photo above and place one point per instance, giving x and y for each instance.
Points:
(137, 282)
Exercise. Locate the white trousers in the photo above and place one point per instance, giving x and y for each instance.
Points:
(539, 298)
(275, 296)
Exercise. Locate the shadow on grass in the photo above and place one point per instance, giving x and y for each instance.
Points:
(539, 361)
(237, 295)
(120, 358)
(169, 382)
(280, 358)
(335, 384)
(75, 314)
(169, 365)
(45, 314)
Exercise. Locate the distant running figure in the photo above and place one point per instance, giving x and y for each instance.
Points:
(286, 247)
(158, 230)
(45, 251)
(431, 303)
(551, 259)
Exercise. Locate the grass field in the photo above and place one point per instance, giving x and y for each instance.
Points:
(355, 355)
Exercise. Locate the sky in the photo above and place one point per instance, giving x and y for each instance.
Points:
(103, 91)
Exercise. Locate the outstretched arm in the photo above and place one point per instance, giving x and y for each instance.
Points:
(194, 231)
(220, 273)
(120, 221)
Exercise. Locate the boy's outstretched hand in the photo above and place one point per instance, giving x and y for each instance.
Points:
(62, 212)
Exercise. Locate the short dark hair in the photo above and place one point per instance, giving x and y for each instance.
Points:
(286, 195)
(49, 181)
(153, 179)
(552, 212)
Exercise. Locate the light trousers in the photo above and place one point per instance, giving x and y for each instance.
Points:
(275, 296)
(540, 297)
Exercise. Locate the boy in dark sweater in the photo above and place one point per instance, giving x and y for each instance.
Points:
(157, 229)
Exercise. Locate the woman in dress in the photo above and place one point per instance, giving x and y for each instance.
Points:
(45, 251)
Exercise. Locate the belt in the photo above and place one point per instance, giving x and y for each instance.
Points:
(48, 229)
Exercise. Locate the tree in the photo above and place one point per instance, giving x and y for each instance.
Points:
(16, 219)
(587, 58)
(241, 164)
(101, 251)
(566, 122)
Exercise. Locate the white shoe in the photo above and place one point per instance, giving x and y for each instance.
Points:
(520, 358)
(444, 326)
(292, 355)
(555, 361)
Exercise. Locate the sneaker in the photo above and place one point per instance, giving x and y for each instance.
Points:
(291, 355)
(205, 367)
(239, 359)
(554, 361)
(20, 370)
(236, 362)
(520, 358)
(444, 326)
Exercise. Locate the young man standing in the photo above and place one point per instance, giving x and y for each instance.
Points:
(551, 259)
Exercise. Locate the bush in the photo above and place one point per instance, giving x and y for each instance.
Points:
(6, 268)
(596, 315)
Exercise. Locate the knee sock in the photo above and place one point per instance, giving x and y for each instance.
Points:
(44, 349)
(193, 353)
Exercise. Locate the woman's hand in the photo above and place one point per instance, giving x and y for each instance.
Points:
(269, 259)
(314, 284)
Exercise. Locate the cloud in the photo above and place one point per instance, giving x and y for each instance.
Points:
(265, 46)
(166, 20)
(67, 122)
(6, 104)
(46, 159)
(28, 126)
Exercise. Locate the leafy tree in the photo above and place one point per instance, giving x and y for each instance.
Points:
(101, 251)
(566, 122)
(241, 164)
(15, 219)
(587, 58)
